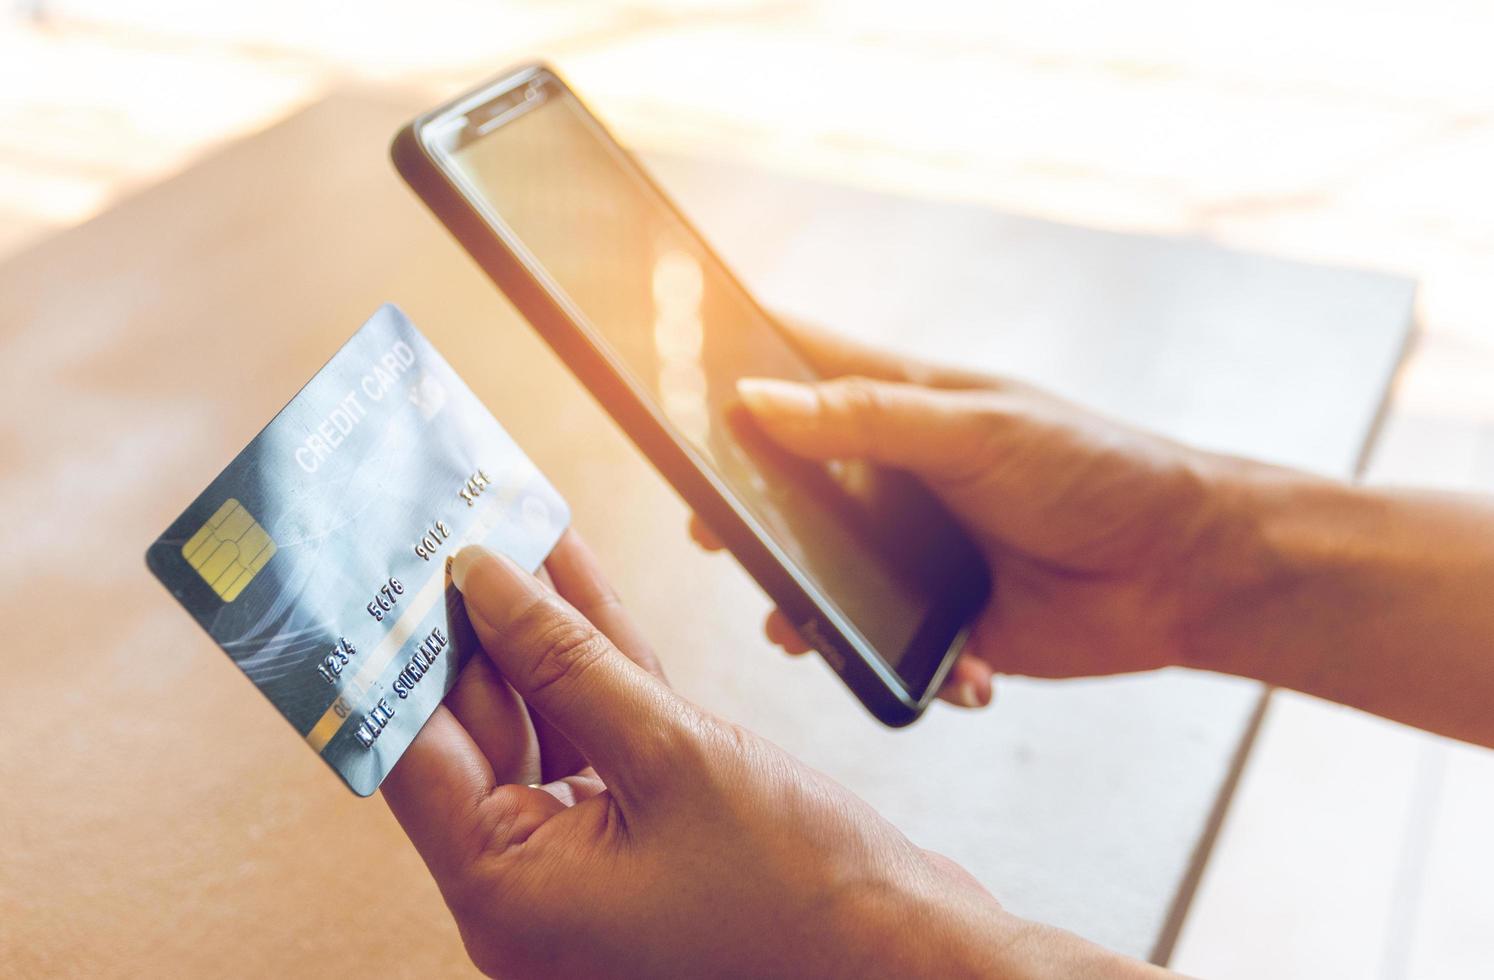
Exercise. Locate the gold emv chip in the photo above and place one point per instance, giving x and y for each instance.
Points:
(229, 549)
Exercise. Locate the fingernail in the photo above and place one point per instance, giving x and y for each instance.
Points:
(462, 564)
(493, 586)
(966, 695)
(771, 396)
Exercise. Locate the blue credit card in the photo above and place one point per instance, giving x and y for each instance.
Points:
(318, 559)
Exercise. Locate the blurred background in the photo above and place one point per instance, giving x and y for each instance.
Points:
(1353, 133)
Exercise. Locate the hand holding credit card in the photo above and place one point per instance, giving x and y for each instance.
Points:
(318, 558)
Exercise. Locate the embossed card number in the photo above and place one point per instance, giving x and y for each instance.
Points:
(385, 598)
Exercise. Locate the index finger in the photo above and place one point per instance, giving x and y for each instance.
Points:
(611, 709)
(446, 798)
(436, 787)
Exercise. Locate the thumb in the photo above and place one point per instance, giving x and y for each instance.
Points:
(934, 432)
(611, 710)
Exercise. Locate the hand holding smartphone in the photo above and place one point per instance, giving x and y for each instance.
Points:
(865, 562)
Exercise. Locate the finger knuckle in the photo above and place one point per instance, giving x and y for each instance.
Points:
(984, 430)
(712, 751)
(495, 815)
(861, 401)
(565, 649)
(859, 395)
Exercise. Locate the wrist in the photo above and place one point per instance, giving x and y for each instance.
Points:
(1271, 533)
(1371, 597)
(1034, 951)
(964, 932)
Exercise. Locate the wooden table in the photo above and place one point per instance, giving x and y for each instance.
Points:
(158, 817)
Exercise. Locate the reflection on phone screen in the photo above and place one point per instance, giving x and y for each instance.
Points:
(648, 288)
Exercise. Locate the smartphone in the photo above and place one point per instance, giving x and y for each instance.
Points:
(877, 576)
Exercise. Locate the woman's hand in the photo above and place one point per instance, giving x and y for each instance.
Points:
(1113, 550)
(1095, 532)
(662, 840)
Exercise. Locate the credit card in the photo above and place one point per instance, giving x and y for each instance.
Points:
(318, 559)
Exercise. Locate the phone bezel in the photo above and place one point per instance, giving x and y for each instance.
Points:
(507, 261)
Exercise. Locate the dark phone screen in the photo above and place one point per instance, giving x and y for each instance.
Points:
(873, 541)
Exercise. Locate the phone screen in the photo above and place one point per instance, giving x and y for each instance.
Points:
(872, 541)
